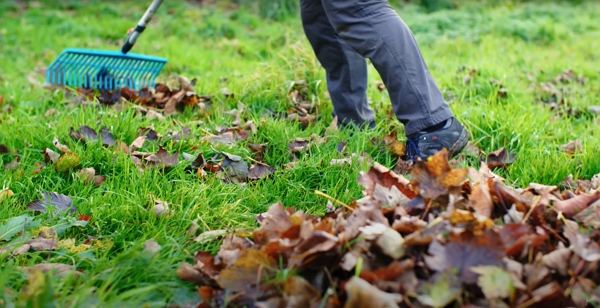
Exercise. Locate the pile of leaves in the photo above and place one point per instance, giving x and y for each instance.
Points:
(445, 236)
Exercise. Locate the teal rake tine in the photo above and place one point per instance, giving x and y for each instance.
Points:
(108, 70)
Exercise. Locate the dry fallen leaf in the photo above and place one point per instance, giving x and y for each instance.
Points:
(435, 178)
(88, 175)
(500, 158)
(362, 294)
(572, 147)
(58, 201)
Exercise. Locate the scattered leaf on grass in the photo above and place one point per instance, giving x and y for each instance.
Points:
(56, 200)
(162, 158)
(5, 194)
(259, 171)
(161, 208)
(61, 147)
(88, 175)
(57, 269)
(51, 156)
(235, 167)
(299, 145)
(572, 147)
(500, 158)
(151, 247)
(4, 149)
(85, 134)
(67, 161)
(13, 165)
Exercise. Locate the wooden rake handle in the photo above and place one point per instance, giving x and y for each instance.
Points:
(141, 26)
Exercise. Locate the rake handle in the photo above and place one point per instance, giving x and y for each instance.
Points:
(141, 26)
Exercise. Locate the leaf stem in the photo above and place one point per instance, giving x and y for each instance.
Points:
(322, 194)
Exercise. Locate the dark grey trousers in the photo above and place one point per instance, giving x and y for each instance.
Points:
(343, 33)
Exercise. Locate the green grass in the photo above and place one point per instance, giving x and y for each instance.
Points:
(259, 59)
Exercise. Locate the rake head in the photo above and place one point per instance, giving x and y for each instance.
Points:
(104, 70)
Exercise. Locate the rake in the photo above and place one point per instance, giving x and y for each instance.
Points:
(108, 70)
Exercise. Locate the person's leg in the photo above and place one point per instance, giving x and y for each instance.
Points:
(345, 69)
(374, 30)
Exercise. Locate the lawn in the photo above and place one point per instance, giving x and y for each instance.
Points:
(520, 76)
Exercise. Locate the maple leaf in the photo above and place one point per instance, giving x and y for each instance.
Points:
(435, 178)
(465, 251)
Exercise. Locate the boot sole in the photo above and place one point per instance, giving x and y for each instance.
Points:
(460, 144)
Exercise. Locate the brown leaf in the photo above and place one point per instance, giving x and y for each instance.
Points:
(518, 236)
(434, 178)
(148, 132)
(84, 134)
(558, 260)
(363, 294)
(577, 204)
(58, 201)
(43, 244)
(88, 175)
(465, 251)
(58, 269)
(393, 145)
(252, 267)
(231, 250)
(550, 295)
(4, 149)
(299, 145)
(273, 223)
(137, 143)
(299, 293)
(572, 147)
(582, 244)
(162, 158)
(500, 158)
(60, 147)
(50, 156)
(379, 175)
(481, 200)
(590, 217)
(259, 171)
(170, 107)
(13, 164)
